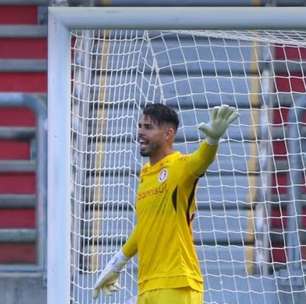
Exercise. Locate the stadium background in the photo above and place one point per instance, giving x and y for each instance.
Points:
(23, 69)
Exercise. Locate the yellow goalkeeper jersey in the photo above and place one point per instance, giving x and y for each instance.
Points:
(164, 209)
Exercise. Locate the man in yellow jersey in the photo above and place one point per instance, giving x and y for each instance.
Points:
(169, 271)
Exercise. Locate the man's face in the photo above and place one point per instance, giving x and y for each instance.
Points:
(151, 136)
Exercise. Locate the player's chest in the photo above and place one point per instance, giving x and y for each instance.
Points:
(154, 189)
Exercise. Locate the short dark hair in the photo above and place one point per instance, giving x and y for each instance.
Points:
(161, 113)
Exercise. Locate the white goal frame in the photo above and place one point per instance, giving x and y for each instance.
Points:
(61, 22)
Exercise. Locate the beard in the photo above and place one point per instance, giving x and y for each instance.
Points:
(149, 149)
(145, 153)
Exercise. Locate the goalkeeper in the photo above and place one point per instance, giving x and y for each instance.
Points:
(169, 271)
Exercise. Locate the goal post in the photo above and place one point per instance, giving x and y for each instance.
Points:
(96, 54)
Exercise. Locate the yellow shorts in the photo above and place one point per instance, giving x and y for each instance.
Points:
(183, 295)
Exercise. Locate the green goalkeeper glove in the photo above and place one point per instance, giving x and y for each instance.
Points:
(220, 119)
(108, 279)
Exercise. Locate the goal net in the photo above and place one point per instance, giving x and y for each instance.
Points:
(249, 229)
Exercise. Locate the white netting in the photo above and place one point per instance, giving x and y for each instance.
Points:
(250, 227)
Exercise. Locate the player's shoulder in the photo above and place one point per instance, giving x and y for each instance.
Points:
(184, 157)
(178, 161)
(176, 158)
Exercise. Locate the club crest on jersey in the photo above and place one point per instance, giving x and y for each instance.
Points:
(163, 174)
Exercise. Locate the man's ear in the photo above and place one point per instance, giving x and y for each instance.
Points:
(170, 132)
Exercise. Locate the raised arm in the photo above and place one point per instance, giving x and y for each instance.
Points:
(108, 279)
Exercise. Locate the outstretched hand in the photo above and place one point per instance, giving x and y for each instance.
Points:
(221, 118)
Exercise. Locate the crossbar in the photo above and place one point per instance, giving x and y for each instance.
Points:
(158, 18)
